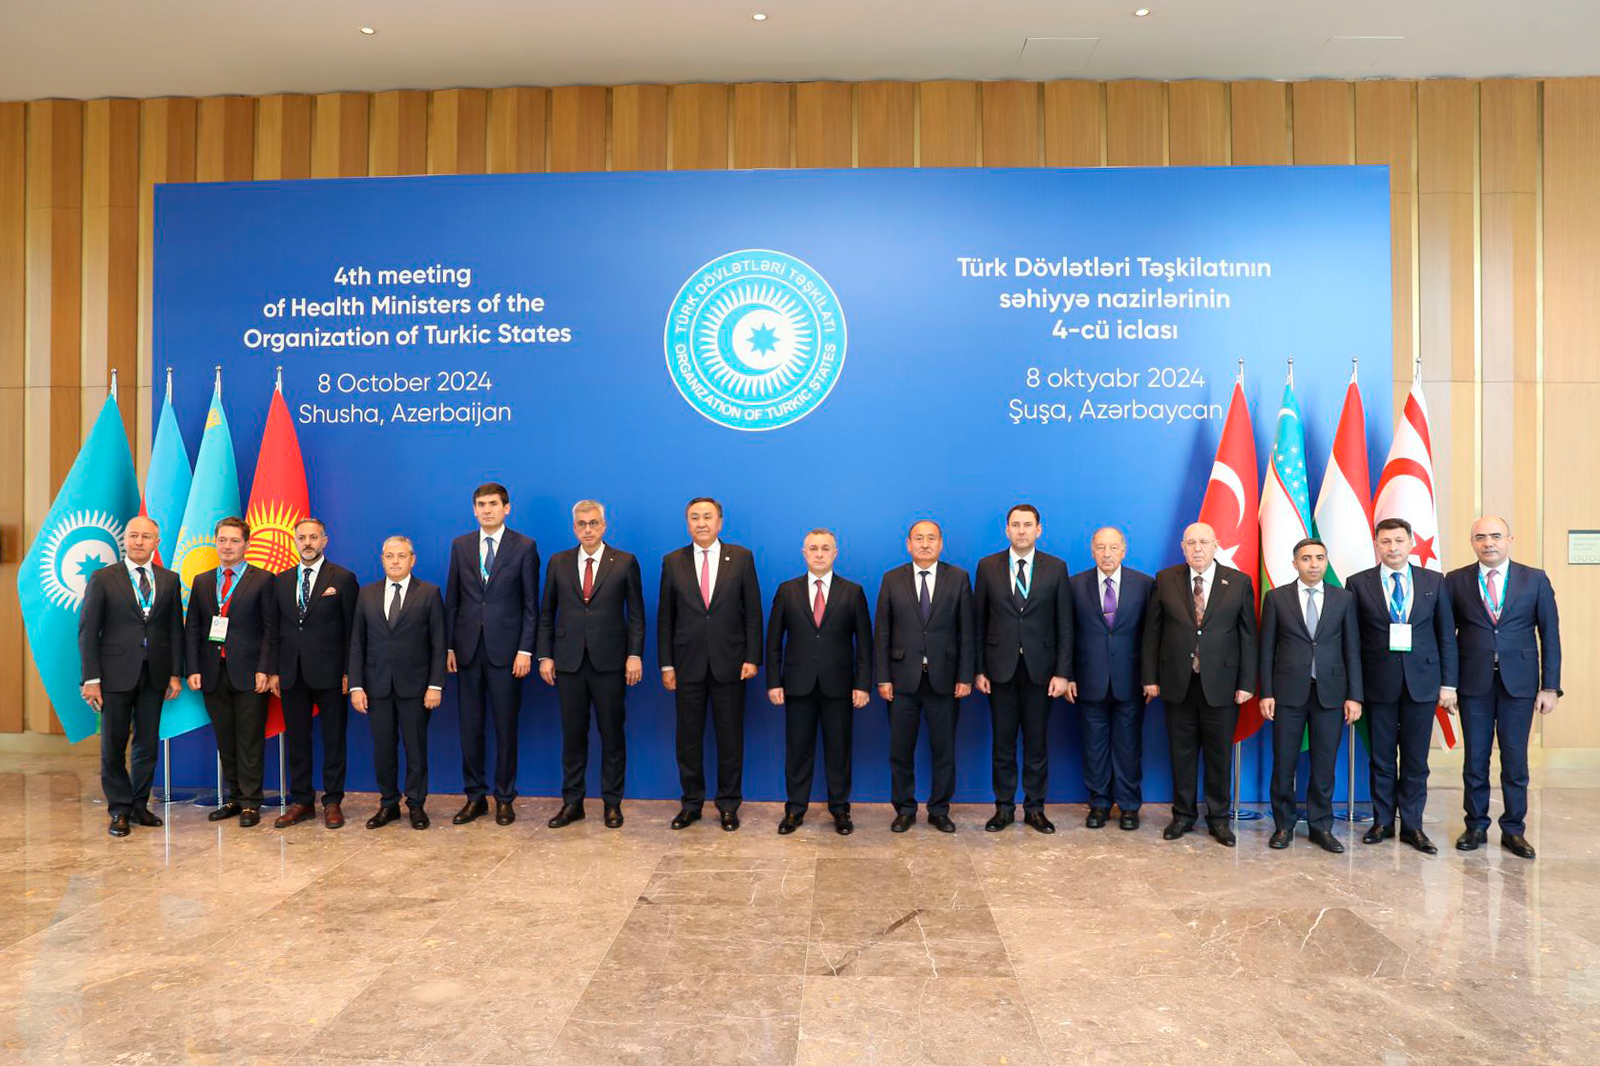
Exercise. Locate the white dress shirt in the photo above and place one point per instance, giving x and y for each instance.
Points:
(1303, 590)
(1386, 575)
(388, 598)
(1504, 570)
(700, 555)
(484, 537)
(300, 578)
(827, 587)
(1207, 577)
(1027, 570)
(583, 555)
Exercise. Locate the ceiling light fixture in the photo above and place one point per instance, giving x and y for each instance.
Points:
(368, 30)
(1140, 13)
(759, 17)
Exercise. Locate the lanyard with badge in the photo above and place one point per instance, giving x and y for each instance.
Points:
(1400, 632)
(145, 603)
(1495, 609)
(219, 621)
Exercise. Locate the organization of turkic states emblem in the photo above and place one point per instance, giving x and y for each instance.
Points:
(755, 340)
(81, 543)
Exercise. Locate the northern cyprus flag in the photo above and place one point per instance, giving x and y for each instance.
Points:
(1343, 517)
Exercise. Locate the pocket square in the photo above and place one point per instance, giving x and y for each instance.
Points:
(330, 592)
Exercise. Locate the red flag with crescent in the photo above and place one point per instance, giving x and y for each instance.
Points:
(278, 499)
(1231, 507)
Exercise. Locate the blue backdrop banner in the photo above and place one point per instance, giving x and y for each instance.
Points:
(849, 349)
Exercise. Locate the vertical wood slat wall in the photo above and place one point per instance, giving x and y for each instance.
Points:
(1494, 203)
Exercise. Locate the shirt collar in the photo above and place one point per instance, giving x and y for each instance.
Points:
(313, 567)
(584, 553)
(1015, 558)
(404, 583)
(133, 568)
(1502, 568)
(1304, 588)
(1208, 573)
(931, 571)
(715, 548)
(498, 535)
(1100, 576)
(238, 568)
(826, 578)
(1404, 569)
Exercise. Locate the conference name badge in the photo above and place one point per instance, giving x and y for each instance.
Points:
(755, 340)
(1399, 636)
(219, 629)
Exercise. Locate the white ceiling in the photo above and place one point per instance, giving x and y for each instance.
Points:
(90, 48)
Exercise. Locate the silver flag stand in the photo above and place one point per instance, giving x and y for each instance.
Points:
(1350, 813)
(1240, 814)
(281, 797)
(217, 798)
(165, 794)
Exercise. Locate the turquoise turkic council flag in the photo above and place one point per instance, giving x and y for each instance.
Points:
(166, 482)
(82, 533)
(213, 495)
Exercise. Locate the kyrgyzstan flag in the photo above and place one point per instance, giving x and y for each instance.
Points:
(1230, 507)
(278, 500)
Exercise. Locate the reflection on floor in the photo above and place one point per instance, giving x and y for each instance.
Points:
(244, 947)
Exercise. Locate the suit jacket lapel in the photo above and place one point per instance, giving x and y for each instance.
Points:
(601, 569)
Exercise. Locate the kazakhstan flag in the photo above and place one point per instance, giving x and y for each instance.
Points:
(166, 482)
(82, 533)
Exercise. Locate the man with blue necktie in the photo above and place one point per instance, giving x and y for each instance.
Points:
(1509, 637)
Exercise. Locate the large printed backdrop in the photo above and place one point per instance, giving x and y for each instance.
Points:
(889, 344)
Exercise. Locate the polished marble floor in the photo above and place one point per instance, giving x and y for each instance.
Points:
(248, 947)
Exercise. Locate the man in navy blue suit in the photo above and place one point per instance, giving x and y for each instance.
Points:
(1108, 603)
(1408, 667)
(491, 612)
(1509, 638)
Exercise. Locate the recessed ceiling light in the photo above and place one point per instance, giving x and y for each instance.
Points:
(368, 30)
(1140, 13)
(759, 17)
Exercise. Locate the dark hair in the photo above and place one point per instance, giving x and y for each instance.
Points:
(491, 488)
(235, 521)
(1394, 523)
(311, 520)
(1306, 542)
(1030, 508)
(919, 522)
(702, 499)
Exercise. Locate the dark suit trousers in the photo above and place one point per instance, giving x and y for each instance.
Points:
(1288, 729)
(802, 714)
(1508, 718)
(397, 720)
(334, 712)
(1014, 704)
(906, 711)
(1113, 752)
(1194, 729)
(240, 721)
(727, 717)
(137, 711)
(606, 692)
(1405, 725)
(479, 679)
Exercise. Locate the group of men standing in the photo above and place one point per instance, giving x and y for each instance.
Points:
(1393, 643)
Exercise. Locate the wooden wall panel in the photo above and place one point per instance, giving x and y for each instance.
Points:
(13, 339)
(1136, 123)
(762, 125)
(458, 131)
(398, 142)
(697, 127)
(167, 131)
(1197, 123)
(283, 138)
(578, 128)
(947, 124)
(1258, 123)
(517, 131)
(226, 140)
(1011, 124)
(886, 124)
(339, 123)
(1385, 132)
(1074, 124)
(1324, 123)
(824, 124)
(639, 127)
(111, 258)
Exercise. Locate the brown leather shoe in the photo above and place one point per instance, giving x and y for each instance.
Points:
(332, 816)
(294, 814)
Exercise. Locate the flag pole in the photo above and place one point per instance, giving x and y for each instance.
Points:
(112, 390)
(169, 384)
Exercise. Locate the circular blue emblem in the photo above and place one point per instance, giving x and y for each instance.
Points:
(755, 340)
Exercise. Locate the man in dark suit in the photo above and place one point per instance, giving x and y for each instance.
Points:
(1509, 637)
(491, 619)
(924, 659)
(1408, 667)
(232, 642)
(130, 645)
(315, 602)
(819, 669)
(708, 636)
(1199, 657)
(397, 655)
(1310, 679)
(1023, 612)
(591, 647)
(1109, 603)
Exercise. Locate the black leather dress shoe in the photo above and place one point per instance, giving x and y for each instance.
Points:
(613, 817)
(1518, 846)
(1224, 834)
(384, 816)
(942, 823)
(1128, 820)
(142, 816)
(569, 813)
(250, 816)
(1097, 818)
(471, 810)
(224, 812)
(1326, 841)
(1377, 834)
(419, 818)
(504, 812)
(1001, 819)
(686, 817)
(1176, 829)
(843, 825)
(1472, 840)
(1038, 822)
(730, 821)
(118, 826)
(1280, 839)
(902, 822)
(790, 823)
(1419, 840)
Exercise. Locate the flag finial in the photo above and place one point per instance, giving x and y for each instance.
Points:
(1240, 378)
(1355, 363)
(1291, 370)
(1416, 368)
(112, 392)
(219, 377)
(279, 385)
(169, 385)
